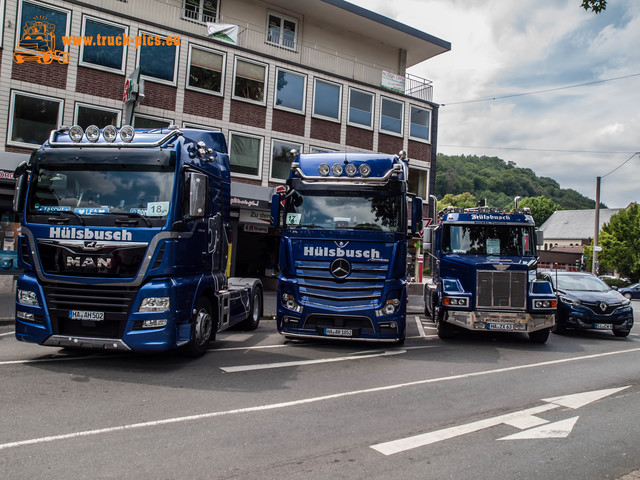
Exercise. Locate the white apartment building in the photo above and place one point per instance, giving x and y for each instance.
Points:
(309, 75)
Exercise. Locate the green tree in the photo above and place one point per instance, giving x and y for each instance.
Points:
(620, 242)
(541, 208)
(463, 200)
(596, 6)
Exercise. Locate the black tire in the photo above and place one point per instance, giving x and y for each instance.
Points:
(621, 333)
(558, 329)
(445, 330)
(255, 310)
(539, 336)
(202, 330)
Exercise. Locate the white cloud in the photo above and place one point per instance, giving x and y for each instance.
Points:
(502, 47)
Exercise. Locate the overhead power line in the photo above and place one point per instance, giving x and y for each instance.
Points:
(536, 92)
(534, 149)
(637, 153)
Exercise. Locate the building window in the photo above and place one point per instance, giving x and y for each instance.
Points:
(290, 90)
(32, 117)
(100, 116)
(37, 19)
(143, 121)
(420, 123)
(201, 10)
(320, 150)
(104, 51)
(281, 158)
(206, 70)
(419, 182)
(281, 30)
(391, 114)
(157, 59)
(200, 127)
(245, 154)
(1, 21)
(326, 99)
(360, 108)
(249, 80)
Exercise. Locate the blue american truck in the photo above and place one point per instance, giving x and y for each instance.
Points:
(124, 242)
(344, 246)
(484, 267)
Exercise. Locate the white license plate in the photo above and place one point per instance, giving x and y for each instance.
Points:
(339, 332)
(500, 326)
(604, 326)
(86, 315)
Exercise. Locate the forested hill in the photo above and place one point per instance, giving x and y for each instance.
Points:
(498, 182)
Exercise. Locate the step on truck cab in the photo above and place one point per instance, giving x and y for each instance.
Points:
(484, 266)
(124, 241)
(344, 246)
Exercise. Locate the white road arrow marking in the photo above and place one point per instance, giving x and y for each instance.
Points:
(560, 429)
(521, 419)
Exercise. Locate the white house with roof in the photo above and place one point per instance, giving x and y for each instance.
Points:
(565, 228)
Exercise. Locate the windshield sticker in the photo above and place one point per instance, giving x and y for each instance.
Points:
(493, 246)
(157, 209)
(51, 208)
(91, 211)
(293, 218)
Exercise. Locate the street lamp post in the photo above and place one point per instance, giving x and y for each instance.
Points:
(596, 232)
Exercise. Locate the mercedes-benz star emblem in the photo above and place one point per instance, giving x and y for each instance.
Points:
(340, 268)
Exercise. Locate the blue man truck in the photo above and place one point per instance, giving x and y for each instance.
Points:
(343, 270)
(484, 267)
(124, 242)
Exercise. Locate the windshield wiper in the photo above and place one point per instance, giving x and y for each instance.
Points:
(69, 212)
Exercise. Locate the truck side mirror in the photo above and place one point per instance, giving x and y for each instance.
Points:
(20, 192)
(427, 239)
(539, 237)
(275, 210)
(197, 185)
(416, 215)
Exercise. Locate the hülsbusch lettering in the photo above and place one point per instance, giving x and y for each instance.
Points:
(371, 254)
(72, 233)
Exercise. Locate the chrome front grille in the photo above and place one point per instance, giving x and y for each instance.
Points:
(501, 290)
(362, 287)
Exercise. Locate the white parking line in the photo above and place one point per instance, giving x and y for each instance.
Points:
(419, 324)
(304, 401)
(5, 334)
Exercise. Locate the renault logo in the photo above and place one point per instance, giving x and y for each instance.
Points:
(603, 306)
(340, 268)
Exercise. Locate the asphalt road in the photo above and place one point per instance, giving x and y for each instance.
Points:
(257, 407)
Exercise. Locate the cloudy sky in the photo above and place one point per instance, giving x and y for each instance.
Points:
(542, 83)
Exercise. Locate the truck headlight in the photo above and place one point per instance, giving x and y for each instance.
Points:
(155, 304)
(28, 297)
(388, 308)
(289, 302)
(455, 301)
(545, 304)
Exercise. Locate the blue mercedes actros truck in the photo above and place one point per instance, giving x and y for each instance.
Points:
(485, 268)
(343, 267)
(124, 242)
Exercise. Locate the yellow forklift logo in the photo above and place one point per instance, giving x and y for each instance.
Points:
(38, 42)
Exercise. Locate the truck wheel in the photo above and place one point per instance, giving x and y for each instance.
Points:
(252, 321)
(539, 336)
(445, 330)
(202, 332)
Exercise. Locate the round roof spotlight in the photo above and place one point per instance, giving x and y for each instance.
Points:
(351, 169)
(365, 169)
(92, 133)
(336, 169)
(323, 169)
(110, 133)
(127, 133)
(76, 133)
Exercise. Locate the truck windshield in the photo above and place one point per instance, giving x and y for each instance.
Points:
(343, 210)
(84, 190)
(506, 240)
